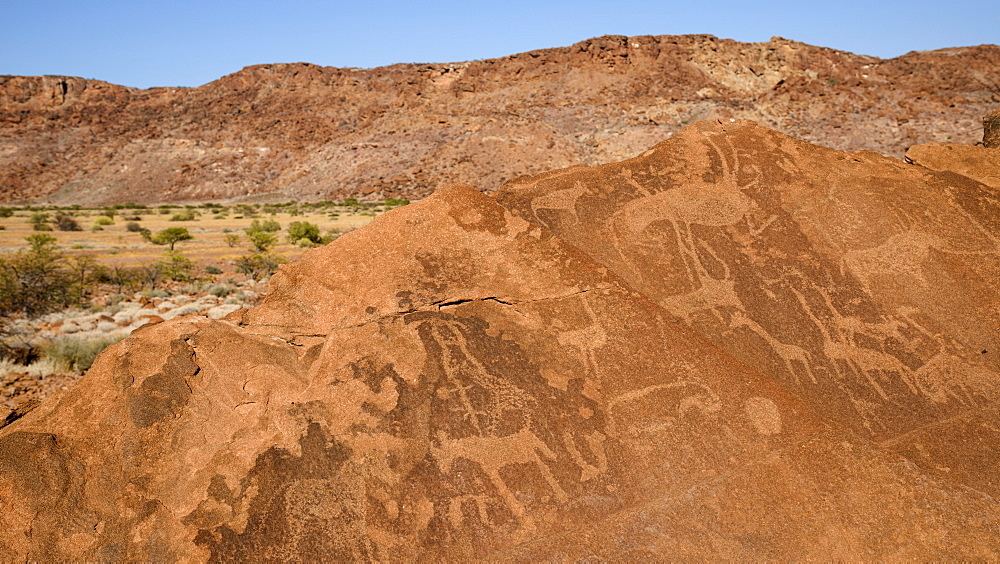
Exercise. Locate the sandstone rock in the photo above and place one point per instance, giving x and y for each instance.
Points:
(218, 312)
(867, 286)
(991, 129)
(978, 163)
(528, 377)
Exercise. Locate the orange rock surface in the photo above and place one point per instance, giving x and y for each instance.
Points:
(736, 346)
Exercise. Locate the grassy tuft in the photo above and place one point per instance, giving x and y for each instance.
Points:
(74, 352)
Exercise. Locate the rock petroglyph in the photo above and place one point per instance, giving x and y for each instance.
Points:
(681, 355)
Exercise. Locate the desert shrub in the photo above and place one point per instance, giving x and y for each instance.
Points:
(303, 230)
(213, 269)
(261, 240)
(154, 293)
(186, 215)
(133, 227)
(95, 228)
(40, 221)
(36, 280)
(395, 202)
(220, 290)
(6, 212)
(76, 353)
(109, 212)
(123, 278)
(232, 239)
(104, 220)
(177, 267)
(65, 222)
(163, 211)
(268, 225)
(86, 274)
(258, 265)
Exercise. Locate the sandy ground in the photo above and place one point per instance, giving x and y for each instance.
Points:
(116, 245)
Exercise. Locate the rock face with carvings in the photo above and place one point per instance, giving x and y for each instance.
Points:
(735, 346)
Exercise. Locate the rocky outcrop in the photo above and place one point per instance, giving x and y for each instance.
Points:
(978, 163)
(736, 346)
(308, 132)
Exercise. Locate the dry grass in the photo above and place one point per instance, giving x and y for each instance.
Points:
(117, 246)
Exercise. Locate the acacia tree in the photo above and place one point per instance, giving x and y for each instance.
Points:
(36, 280)
(169, 236)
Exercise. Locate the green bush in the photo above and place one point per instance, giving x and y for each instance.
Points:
(186, 215)
(104, 220)
(303, 230)
(76, 353)
(262, 241)
(36, 280)
(268, 225)
(169, 236)
(258, 265)
(133, 227)
(40, 221)
(6, 212)
(176, 267)
(65, 222)
(213, 269)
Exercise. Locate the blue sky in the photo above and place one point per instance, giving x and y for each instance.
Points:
(188, 43)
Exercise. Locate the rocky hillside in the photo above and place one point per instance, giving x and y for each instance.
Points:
(308, 132)
(736, 346)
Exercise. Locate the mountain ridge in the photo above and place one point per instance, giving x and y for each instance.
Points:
(297, 130)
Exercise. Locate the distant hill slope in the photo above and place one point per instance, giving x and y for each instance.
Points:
(308, 132)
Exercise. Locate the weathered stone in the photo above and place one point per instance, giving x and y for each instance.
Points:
(528, 377)
(866, 286)
(978, 163)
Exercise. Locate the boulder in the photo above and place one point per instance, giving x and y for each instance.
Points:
(978, 163)
(735, 346)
